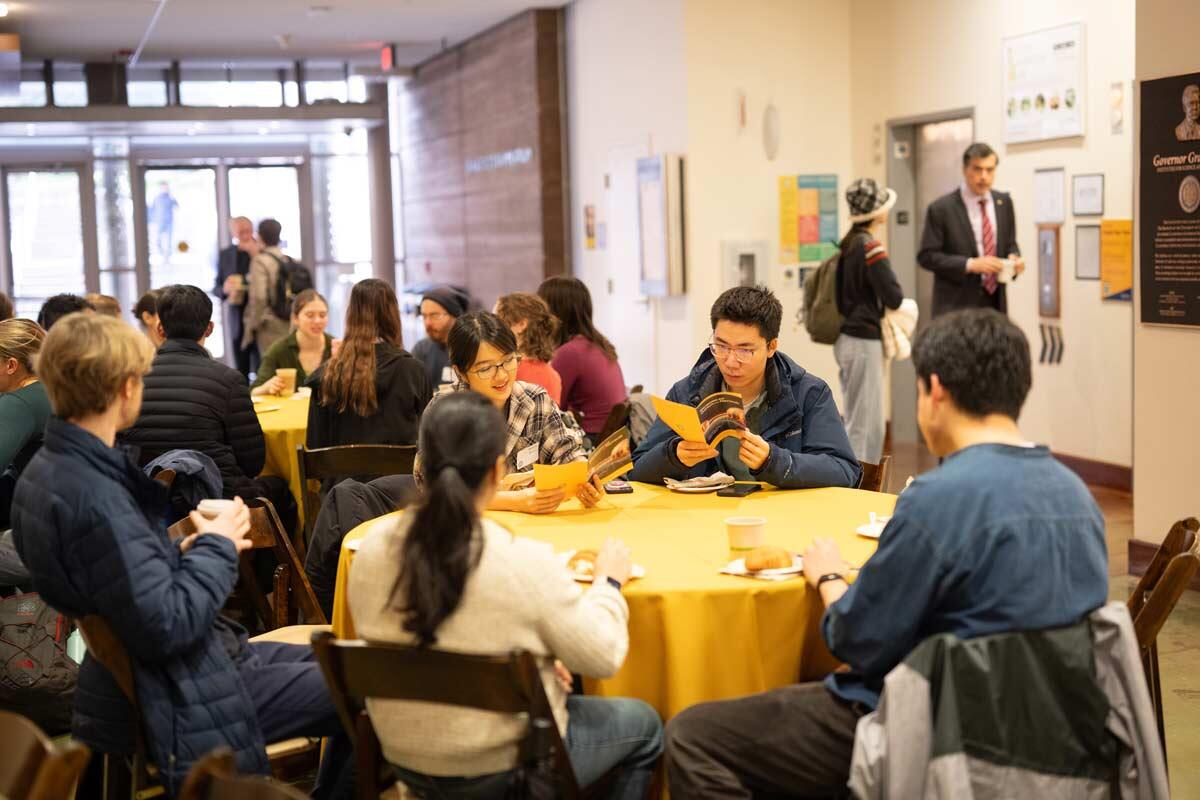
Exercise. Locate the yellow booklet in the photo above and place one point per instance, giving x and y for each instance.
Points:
(718, 417)
(611, 459)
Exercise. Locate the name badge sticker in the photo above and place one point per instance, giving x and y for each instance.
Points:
(527, 457)
(447, 375)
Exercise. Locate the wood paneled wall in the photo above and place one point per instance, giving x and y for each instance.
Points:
(484, 161)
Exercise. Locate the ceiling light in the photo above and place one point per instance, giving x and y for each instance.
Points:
(3, 9)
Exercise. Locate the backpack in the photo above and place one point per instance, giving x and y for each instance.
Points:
(291, 279)
(37, 676)
(822, 319)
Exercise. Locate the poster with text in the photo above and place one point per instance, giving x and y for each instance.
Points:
(1045, 80)
(808, 218)
(1116, 259)
(1169, 194)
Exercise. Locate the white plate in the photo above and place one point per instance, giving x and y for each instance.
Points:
(697, 489)
(739, 566)
(303, 391)
(638, 570)
(265, 409)
(873, 530)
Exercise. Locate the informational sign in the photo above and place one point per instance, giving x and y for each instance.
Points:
(808, 218)
(1116, 259)
(1045, 82)
(1169, 195)
(1049, 196)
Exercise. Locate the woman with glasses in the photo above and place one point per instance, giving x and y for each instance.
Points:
(794, 437)
(592, 382)
(483, 355)
(372, 391)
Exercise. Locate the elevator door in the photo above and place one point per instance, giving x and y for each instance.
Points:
(939, 149)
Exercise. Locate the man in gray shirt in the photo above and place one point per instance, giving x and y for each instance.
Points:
(440, 307)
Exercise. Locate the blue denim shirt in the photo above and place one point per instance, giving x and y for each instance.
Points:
(997, 539)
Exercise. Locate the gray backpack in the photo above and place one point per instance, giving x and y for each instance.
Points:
(37, 677)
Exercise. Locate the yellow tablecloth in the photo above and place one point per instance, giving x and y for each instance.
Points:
(695, 634)
(283, 430)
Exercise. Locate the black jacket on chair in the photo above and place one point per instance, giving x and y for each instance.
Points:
(193, 402)
(948, 241)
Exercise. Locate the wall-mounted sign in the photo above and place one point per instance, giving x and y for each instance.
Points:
(808, 218)
(1116, 259)
(1169, 195)
(509, 158)
(1045, 84)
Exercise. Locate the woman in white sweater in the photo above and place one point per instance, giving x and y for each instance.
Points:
(441, 576)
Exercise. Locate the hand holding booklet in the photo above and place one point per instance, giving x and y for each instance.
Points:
(611, 459)
(718, 417)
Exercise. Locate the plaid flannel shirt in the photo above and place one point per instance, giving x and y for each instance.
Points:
(533, 418)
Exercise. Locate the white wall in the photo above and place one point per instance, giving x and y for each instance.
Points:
(1166, 449)
(925, 56)
(626, 95)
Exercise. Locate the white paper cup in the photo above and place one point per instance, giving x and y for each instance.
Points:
(211, 509)
(745, 534)
(1009, 272)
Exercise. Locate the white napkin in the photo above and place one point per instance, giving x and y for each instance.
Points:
(716, 479)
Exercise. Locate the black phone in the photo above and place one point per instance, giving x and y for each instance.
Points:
(618, 487)
(738, 490)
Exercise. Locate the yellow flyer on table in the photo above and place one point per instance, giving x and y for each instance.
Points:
(568, 477)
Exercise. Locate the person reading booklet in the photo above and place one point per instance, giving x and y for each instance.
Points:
(793, 436)
(610, 460)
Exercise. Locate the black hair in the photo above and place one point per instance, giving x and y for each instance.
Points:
(570, 301)
(981, 358)
(750, 305)
(184, 312)
(978, 150)
(268, 231)
(462, 436)
(470, 331)
(58, 307)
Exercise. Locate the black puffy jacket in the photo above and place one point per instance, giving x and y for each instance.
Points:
(193, 402)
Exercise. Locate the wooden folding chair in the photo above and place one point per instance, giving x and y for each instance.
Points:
(617, 418)
(214, 777)
(1154, 598)
(165, 476)
(360, 460)
(874, 476)
(510, 684)
(290, 591)
(32, 767)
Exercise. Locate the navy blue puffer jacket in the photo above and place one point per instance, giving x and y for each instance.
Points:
(88, 525)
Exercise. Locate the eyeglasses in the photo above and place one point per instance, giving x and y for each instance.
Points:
(743, 354)
(434, 316)
(509, 364)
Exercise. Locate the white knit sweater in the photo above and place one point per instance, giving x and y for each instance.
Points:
(518, 597)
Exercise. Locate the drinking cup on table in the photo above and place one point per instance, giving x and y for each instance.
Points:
(211, 509)
(288, 377)
(745, 534)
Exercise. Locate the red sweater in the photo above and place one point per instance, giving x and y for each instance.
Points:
(533, 370)
(591, 384)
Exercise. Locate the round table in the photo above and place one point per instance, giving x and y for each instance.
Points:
(695, 634)
(284, 424)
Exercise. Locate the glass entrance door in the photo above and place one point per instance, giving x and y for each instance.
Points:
(182, 228)
(45, 224)
(259, 192)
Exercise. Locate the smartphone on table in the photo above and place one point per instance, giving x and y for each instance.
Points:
(738, 490)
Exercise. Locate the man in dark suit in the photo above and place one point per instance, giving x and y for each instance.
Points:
(233, 265)
(969, 234)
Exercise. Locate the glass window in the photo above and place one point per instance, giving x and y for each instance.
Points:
(33, 93)
(356, 89)
(291, 94)
(260, 192)
(46, 237)
(229, 94)
(70, 94)
(326, 90)
(147, 93)
(341, 182)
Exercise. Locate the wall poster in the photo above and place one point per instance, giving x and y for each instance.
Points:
(808, 218)
(1116, 259)
(1045, 82)
(1169, 196)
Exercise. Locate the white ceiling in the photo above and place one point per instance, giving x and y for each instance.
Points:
(246, 30)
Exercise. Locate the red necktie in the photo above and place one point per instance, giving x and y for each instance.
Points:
(989, 247)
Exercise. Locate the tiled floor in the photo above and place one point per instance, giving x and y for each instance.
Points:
(1178, 643)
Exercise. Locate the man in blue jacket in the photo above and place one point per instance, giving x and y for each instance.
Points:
(88, 525)
(795, 440)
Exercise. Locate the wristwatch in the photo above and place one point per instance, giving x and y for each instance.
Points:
(613, 582)
(832, 576)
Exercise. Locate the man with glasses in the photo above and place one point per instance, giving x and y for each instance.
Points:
(795, 440)
(439, 308)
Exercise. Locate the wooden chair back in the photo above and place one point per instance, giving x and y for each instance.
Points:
(355, 670)
(32, 767)
(214, 777)
(165, 476)
(617, 418)
(291, 590)
(374, 460)
(1180, 539)
(874, 476)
